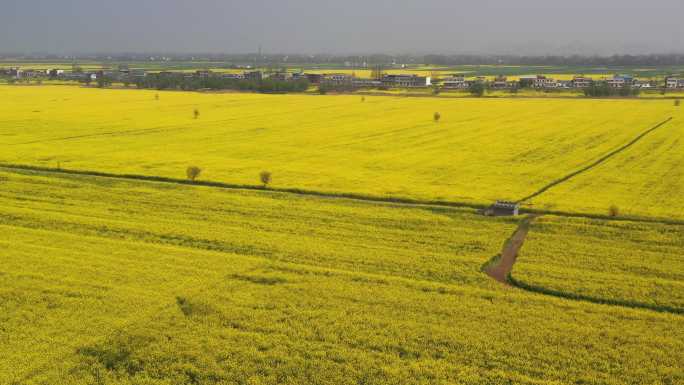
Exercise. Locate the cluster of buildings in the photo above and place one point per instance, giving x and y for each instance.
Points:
(673, 83)
(74, 75)
(131, 75)
(544, 82)
(455, 81)
(332, 79)
(388, 81)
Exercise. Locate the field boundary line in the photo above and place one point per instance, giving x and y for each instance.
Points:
(500, 269)
(402, 201)
(597, 162)
(441, 95)
(587, 298)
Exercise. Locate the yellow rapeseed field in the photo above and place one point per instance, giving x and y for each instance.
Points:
(621, 262)
(481, 149)
(114, 281)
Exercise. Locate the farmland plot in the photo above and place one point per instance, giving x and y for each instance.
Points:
(480, 150)
(626, 263)
(647, 179)
(115, 281)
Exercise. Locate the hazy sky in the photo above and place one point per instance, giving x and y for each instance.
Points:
(343, 26)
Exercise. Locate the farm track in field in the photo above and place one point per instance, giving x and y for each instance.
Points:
(329, 195)
(596, 163)
(500, 268)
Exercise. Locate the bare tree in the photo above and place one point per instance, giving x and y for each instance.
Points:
(193, 173)
(265, 177)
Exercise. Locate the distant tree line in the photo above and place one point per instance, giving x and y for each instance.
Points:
(572, 60)
(233, 60)
(324, 88)
(181, 82)
(604, 90)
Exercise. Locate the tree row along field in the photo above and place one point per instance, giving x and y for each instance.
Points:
(127, 282)
(478, 152)
(565, 72)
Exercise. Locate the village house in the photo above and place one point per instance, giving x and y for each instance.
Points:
(203, 74)
(314, 78)
(471, 82)
(366, 83)
(526, 81)
(53, 73)
(581, 82)
(673, 83)
(254, 76)
(616, 82)
(621, 81)
(564, 84)
(233, 76)
(542, 81)
(337, 79)
(31, 73)
(280, 76)
(648, 84)
(455, 82)
(129, 75)
(137, 74)
(76, 76)
(499, 82)
(407, 81)
(16, 73)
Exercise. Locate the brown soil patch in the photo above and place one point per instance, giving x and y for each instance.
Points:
(509, 252)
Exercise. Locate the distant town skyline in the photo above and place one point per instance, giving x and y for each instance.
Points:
(523, 27)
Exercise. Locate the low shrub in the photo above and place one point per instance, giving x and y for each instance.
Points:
(193, 172)
(265, 178)
(613, 211)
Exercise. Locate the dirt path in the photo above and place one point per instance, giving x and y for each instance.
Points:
(596, 163)
(509, 253)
